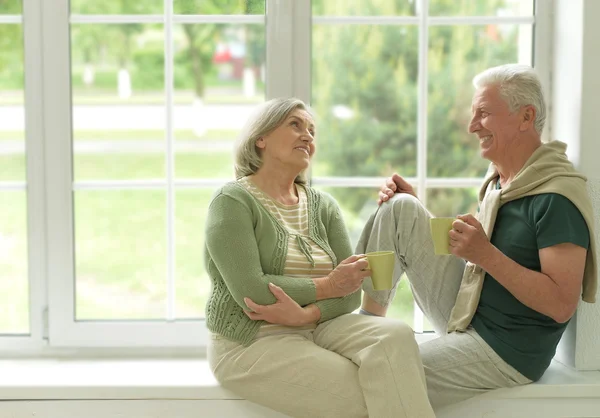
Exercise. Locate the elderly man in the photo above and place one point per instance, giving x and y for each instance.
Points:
(502, 300)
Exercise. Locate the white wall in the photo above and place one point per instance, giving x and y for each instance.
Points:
(575, 101)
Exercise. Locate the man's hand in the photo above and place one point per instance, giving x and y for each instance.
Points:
(394, 184)
(285, 311)
(468, 240)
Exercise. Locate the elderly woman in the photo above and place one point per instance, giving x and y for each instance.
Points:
(284, 283)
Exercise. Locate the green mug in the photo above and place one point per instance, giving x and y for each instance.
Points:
(439, 234)
(381, 264)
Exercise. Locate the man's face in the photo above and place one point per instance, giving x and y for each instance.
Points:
(493, 123)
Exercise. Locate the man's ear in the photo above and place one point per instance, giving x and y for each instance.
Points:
(528, 117)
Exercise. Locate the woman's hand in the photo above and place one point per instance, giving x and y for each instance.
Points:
(348, 276)
(285, 311)
(394, 184)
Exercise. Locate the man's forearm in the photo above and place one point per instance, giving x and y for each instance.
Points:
(534, 289)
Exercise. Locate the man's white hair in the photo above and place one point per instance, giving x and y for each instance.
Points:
(519, 86)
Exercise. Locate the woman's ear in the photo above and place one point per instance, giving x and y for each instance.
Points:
(260, 142)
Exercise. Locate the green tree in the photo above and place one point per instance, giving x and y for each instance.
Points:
(371, 72)
(90, 40)
(200, 38)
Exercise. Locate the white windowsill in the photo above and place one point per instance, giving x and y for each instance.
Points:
(191, 379)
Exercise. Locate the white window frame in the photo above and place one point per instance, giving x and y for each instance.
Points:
(50, 184)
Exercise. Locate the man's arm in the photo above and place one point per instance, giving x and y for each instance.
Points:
(555, 291)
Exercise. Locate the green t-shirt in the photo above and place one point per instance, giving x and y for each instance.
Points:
(524, 338)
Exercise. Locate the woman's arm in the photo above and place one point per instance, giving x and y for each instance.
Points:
(286, 312)
(233, 253)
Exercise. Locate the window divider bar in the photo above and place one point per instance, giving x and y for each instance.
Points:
(150, 184)
(480, 20)
(13, 185)
(157, 184)
(170, 160)
(431, 182)
(11, 19)
(115, 19)
(422, 103)
(120, 184)
(416, 20)
(279, 51)
(58, 176)
(233, 19)
(543, 42)
(156, 18)
(35, 186)
(366, 20)
(301, 39)
(422, 128)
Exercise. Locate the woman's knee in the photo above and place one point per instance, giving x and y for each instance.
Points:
(398, 332)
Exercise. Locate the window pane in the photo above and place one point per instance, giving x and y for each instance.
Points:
(365, 8)
(452, 202)
(192, 282)
(219, 78)
(456, 54)
(12, 111)
(14, 283)
(231, 7)
(365, 96)
(116, 7)
(481, 8)
(120, 253)
(14, 286)
(11, 7)
(118, 96)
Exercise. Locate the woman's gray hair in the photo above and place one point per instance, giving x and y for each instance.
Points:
(519, 86)
(267, 117)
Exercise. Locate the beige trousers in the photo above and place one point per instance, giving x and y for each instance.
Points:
(457, 365)
(350, 366)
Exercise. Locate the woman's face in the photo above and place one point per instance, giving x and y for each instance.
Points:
(291, 144)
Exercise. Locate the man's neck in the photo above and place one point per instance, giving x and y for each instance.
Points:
(510, 166)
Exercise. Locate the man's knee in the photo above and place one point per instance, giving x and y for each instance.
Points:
(402, 204)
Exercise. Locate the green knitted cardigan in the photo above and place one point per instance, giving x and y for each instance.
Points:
(246, 248)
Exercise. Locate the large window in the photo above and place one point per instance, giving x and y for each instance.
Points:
(131, 111)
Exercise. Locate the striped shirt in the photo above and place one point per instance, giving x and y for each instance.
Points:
(305, 259)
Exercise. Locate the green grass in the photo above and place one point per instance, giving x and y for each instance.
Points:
(121, 253)
(136, 134)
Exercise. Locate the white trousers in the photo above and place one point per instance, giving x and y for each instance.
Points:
(350, 366)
